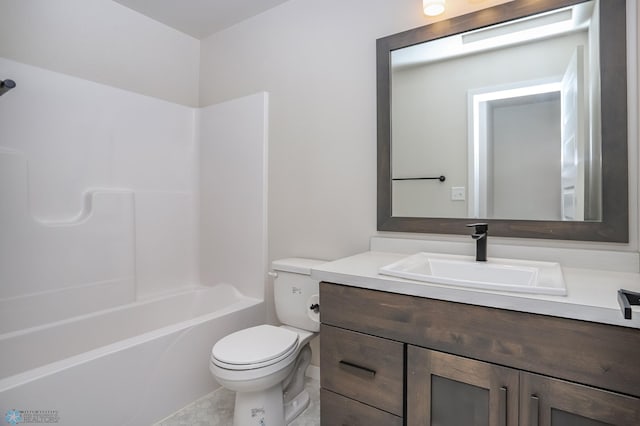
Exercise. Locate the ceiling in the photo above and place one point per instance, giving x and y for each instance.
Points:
(200, 18)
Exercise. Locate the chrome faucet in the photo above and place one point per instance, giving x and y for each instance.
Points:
(480, 235)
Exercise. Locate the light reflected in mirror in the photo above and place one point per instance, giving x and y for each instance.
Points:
(509, 114)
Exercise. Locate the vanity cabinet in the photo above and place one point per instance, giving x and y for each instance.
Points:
(388, 359)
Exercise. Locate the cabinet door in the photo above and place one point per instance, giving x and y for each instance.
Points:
(551, 402)
(448, 390)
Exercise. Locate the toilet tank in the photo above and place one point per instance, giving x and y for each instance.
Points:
(294, 292)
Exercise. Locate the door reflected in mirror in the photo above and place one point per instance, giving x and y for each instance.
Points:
(509, 114)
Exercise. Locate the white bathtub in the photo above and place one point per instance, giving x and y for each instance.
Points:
(130, 365)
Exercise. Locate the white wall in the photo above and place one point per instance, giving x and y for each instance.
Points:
(63, 139)
(102, 41)
(317, 61)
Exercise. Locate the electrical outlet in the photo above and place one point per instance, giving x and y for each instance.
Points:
(457, 193)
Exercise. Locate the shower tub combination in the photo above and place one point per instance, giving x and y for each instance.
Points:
(76, 341)
(127, 365)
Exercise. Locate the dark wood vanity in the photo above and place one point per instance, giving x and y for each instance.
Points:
(392, 359)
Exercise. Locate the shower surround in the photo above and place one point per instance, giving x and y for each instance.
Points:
(104, 209)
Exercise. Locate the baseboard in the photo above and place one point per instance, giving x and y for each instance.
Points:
(313, 371)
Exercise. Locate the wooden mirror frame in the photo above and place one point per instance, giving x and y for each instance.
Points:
(614, 226)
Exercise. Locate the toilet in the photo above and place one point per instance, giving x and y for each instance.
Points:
(265, 365)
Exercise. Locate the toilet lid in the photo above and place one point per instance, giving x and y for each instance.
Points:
(255, 345)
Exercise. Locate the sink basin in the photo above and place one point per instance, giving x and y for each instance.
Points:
(523, 276)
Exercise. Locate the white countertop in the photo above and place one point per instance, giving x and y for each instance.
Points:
(591, 294)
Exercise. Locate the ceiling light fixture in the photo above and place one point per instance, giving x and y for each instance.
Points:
(433, 7)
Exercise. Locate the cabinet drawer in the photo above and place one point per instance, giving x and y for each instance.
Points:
(337, 410)
(366, 368)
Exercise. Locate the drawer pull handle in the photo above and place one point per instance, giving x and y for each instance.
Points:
(503, 406)
(358, 369)
(535, 407)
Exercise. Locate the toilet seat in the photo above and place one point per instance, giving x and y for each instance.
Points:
(254, 347)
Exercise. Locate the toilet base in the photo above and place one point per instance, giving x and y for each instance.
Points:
(264, 408)
(297, 405)
(276, 406)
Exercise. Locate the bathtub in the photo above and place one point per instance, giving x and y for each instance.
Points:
(130, 365)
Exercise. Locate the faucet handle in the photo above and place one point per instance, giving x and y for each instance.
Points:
(480, 227)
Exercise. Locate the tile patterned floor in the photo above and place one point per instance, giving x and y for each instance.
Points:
(216, 409)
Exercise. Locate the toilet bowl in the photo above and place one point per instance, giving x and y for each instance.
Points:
(265, 365)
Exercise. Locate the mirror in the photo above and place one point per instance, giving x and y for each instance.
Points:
(514, 115)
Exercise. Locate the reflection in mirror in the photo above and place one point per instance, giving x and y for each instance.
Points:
(504, 113)
(520, 109)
